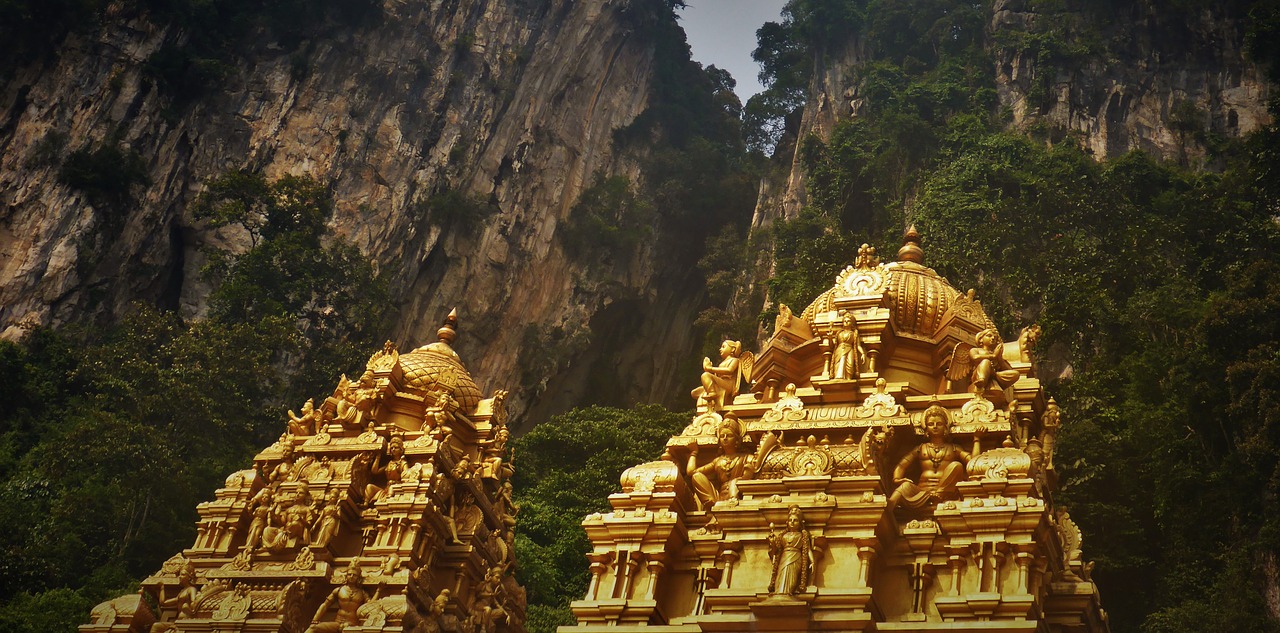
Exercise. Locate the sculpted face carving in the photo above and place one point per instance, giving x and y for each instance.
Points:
(728, 438)
(935, 425)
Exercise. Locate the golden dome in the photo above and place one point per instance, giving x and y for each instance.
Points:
(436, 366)
(918, 298)
(428, 369)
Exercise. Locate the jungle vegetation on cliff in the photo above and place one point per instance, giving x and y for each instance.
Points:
(1157, 284)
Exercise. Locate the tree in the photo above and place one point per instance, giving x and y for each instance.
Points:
(566, 468)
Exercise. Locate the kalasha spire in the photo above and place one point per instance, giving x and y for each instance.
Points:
(911, 251)
(449, 330)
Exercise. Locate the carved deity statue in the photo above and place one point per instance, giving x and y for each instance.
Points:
(308, 422)
(717, 480)
(494, 466)
(792, 553)
(355, 399)
(989, 366)
(941, 464)
(720, 382)
(286, 470)
(349, 598)
(326, 525)
(184, 601)
(506, 507)
(783, 319)
(1049, 424)
(297, 517)
(849, 356)
(260, 510)
(393, 470)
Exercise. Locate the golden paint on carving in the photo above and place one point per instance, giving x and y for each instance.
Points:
(887, 478)
(386, 505)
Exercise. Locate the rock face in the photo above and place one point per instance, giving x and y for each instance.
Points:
(1164, 82)
(1171, 71)
(511, 102)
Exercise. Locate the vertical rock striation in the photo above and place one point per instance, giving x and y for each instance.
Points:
(1165, 80)
(513, 103)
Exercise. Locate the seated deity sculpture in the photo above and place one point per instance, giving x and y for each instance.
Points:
(393, 470)
(720, 382)
(989, 366)
(941, 465)
(308, 422)
(349, 598)
(717, 480)
(184, 601)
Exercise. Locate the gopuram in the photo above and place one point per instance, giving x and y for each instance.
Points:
(386, 507)
(884, 463)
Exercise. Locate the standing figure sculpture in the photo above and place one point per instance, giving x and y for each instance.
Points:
(792, 552)
(1049, 424)
(326, 526)
(941, 463)
(717, 480)
(349, 598)
(720, 382)
(260, 509)
(849, 356)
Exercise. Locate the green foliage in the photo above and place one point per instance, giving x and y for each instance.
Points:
(54, 610)
(110, 442)
(1157, 288)
(107, 174)
(109, 436)
(1262, 37)
(184, 74)
(453, 209)
(328, 292)
(566, 468)
(730, 266)
(546, 351)
(607, 223)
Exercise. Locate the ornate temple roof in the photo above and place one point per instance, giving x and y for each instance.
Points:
(385, 507)
(883, 462)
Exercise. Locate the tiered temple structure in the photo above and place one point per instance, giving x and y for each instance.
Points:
(387, 507)
(884, 463)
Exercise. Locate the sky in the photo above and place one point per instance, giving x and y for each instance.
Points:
(723, 33)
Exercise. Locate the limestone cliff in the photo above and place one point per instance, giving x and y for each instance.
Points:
(511, 102)
(1151, 76)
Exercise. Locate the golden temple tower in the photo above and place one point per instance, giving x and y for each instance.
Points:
(884, 463)
(385, 508)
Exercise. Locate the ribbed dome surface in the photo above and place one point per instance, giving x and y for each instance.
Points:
(427, 370)
(917, 297)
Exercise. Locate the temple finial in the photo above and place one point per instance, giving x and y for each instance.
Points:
(911, 251)
(449, 330)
